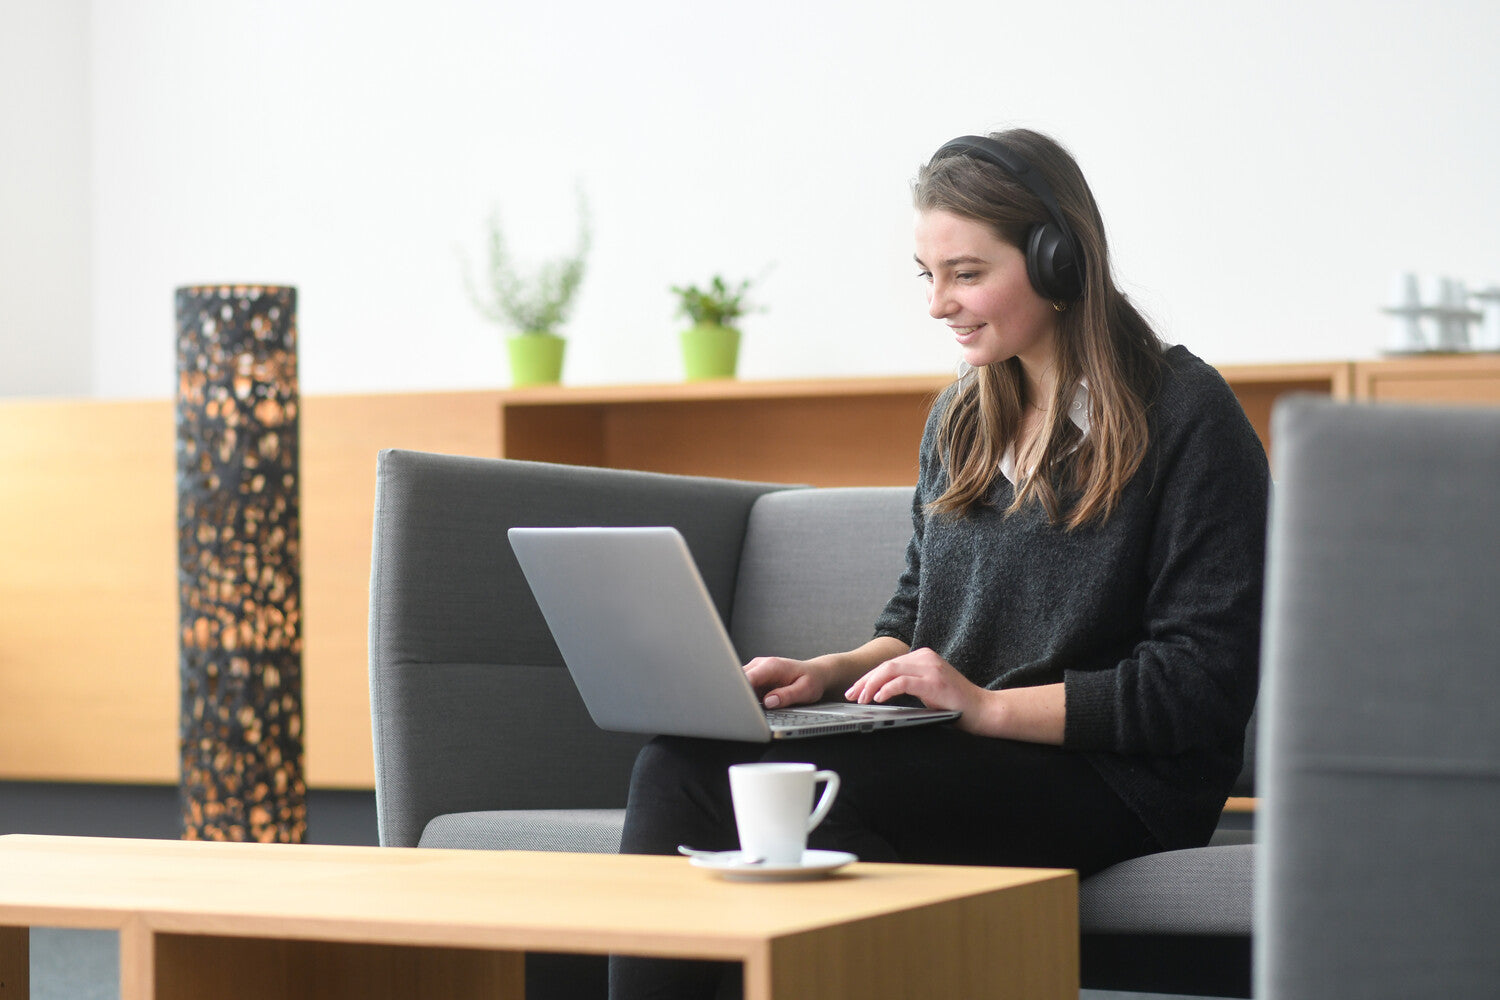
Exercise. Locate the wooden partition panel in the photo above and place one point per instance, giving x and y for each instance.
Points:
(88, 578)
(88, 591)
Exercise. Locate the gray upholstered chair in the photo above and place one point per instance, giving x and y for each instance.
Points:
(1380, 863)
(482, 742)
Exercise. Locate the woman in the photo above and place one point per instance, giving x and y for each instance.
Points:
(1083, 580)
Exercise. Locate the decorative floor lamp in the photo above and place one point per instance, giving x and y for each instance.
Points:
(239, 564)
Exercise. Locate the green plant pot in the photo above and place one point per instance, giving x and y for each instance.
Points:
(535, 359)
(710, 352)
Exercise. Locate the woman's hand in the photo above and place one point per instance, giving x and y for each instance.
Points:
(1034, 714)
(923, 674)
(781, 681)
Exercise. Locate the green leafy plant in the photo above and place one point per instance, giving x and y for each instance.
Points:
(537, 303)
(718, 305)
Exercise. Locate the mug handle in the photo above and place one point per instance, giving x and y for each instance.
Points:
(830, 792)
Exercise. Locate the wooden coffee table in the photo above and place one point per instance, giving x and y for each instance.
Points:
(248, 920)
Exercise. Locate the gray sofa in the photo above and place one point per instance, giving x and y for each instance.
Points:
(481, 741)
(1379, 876)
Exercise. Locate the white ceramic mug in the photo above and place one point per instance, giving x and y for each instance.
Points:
(773, 808)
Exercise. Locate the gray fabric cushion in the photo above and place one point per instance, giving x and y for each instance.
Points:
(590, 831)
(1380, 753)
(818, 567)
(504, 735)
(1202, 890)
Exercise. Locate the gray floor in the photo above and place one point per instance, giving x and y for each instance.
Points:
(71, 964)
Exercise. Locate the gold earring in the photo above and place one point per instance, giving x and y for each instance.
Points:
(1059, 305)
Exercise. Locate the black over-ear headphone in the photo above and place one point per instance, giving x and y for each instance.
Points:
(1053, 261)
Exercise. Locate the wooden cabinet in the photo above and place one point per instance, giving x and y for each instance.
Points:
(88, 596)
(1258, 387)
(1465, 380)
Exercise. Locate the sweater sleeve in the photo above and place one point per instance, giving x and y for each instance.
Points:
(1191, 681)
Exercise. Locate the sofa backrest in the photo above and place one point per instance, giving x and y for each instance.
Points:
(1380, 751)
(817, 568)
(472, 707)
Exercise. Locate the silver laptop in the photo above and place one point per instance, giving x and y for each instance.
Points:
(640, 635)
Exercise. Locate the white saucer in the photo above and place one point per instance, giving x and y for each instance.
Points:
(815, 864)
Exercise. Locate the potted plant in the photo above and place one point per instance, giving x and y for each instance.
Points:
(711, 347)
(534, 306)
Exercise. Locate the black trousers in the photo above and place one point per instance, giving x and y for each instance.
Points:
(928, 794)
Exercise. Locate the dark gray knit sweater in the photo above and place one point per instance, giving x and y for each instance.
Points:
(1151, 620)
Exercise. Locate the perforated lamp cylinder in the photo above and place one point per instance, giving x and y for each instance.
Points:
(239, 564)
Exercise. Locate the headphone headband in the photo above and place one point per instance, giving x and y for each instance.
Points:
(1060, 275)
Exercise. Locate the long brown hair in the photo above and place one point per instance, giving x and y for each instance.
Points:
(1101, 339)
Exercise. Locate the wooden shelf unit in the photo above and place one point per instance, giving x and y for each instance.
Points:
(1258, 387)
(88, 598)
(833, 432)
(827, 432)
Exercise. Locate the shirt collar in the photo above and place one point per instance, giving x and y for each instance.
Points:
(1078, 412)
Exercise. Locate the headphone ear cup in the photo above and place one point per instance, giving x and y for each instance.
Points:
(1052, 264)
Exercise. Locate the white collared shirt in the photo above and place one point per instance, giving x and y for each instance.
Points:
(1078, 412)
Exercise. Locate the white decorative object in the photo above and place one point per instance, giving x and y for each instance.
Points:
(1403, 303)
(1454, 320)
(1488, 336)
(1428, 313)
(1434, 304)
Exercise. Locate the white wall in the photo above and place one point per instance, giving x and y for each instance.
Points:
(1263, 167)
(44, 199)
